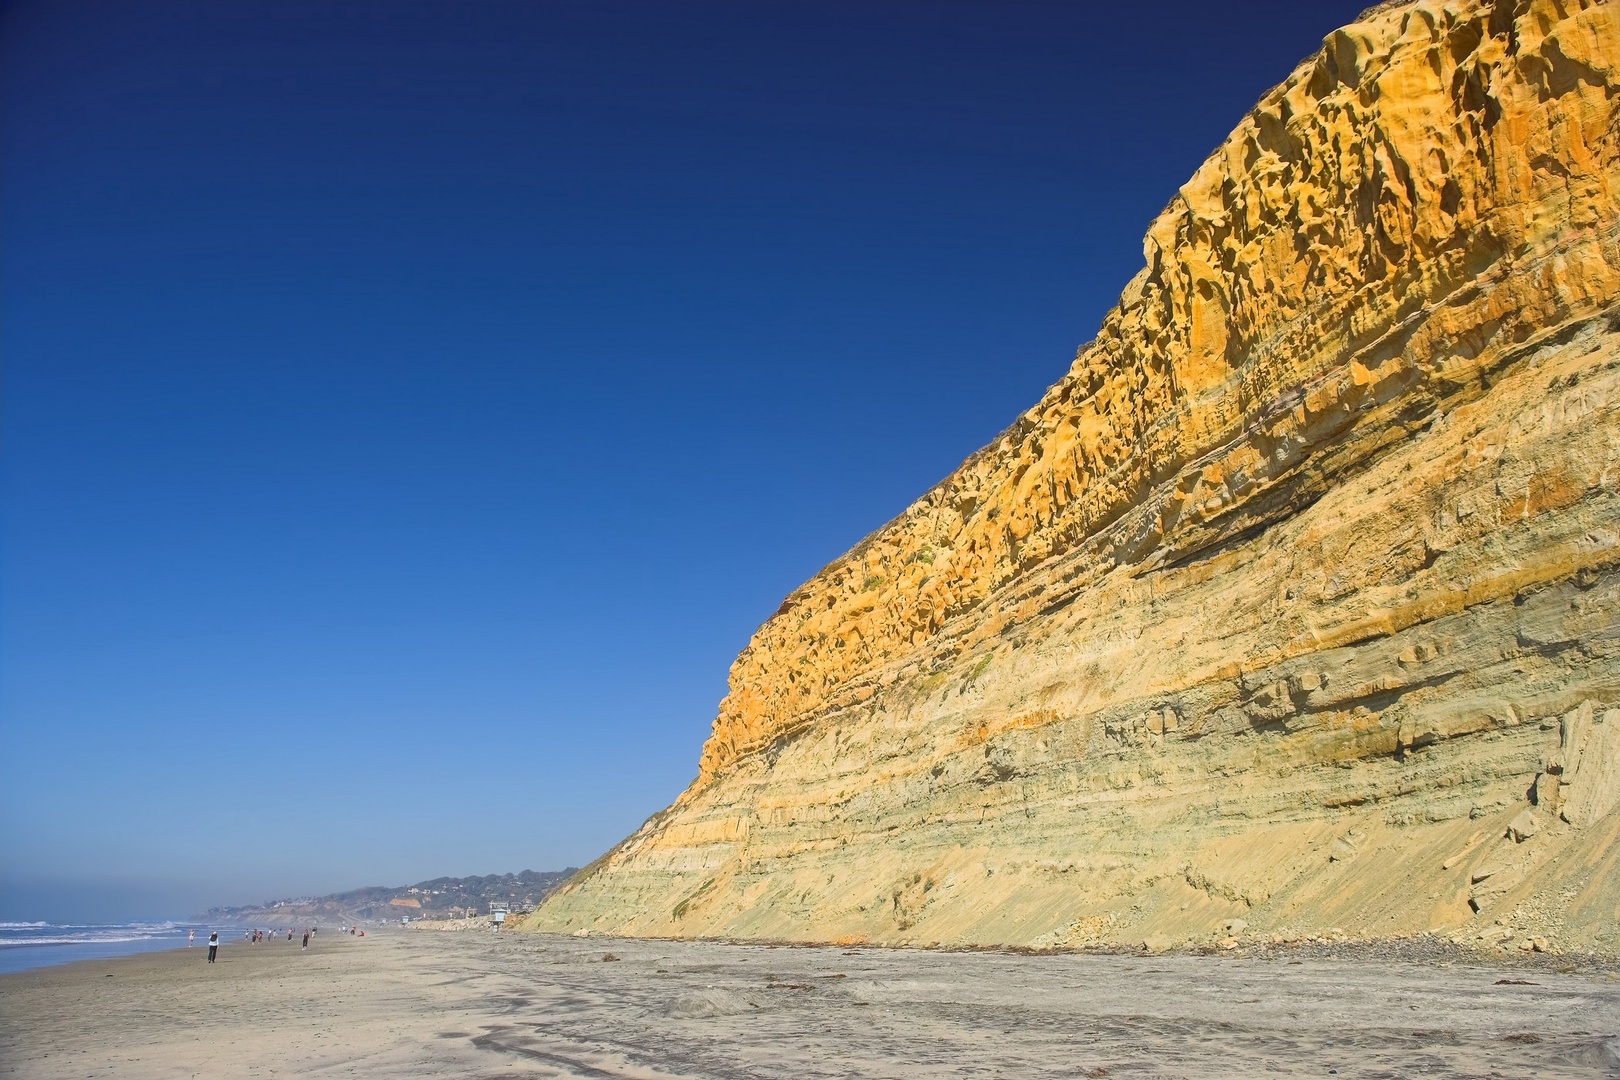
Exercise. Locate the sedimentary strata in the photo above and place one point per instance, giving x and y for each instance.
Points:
(1294, 604)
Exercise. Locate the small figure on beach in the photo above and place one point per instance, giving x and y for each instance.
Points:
(289, 933)
(213, 946)
(191, 937)
(306, 939)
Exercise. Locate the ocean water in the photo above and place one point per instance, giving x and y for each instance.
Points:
(25, 945)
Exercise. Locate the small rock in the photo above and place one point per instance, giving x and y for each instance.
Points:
(1235, 926)
(1522, 827)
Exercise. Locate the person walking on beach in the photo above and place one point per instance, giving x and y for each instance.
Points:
(306, 939)
(213, 946)
(191, 936)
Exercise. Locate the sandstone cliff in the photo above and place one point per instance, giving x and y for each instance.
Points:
(1295, 602)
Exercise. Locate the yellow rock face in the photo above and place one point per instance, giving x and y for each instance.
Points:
(1296, 592)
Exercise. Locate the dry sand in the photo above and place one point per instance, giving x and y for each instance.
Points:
(529, 1005)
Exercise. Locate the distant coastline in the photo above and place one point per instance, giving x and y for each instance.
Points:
(436, 898)
(25, 945)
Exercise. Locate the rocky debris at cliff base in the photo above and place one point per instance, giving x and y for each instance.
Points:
(1427, 949)
(479, 923)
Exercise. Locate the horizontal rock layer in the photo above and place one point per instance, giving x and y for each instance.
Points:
(1297, 599)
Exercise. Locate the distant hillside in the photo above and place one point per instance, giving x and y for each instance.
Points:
(439, 898)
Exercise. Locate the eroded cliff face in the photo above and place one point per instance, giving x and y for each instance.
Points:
(1297, 600)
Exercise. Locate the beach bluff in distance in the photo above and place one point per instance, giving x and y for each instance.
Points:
(1293, 608)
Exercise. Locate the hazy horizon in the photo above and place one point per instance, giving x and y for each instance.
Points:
(110, 903)
(412, 409)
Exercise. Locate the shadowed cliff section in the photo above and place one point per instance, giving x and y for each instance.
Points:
(1293, 603)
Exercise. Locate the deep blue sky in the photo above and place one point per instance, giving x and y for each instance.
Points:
(410, 409)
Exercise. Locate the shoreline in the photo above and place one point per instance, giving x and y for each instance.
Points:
(530, 1004)
(50, 953)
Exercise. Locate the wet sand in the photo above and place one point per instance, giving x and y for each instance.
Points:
(518, 1005)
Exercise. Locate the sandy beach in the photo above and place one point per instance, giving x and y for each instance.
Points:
(527, 1005)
